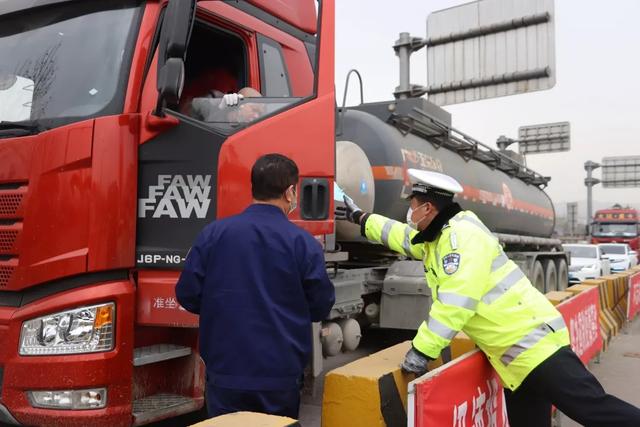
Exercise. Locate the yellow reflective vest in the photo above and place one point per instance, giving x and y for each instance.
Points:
(477, 289)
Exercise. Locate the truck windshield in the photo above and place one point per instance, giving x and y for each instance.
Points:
(65, 62)
(615, 230)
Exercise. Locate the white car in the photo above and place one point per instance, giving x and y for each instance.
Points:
(587, 262)
(620, 256)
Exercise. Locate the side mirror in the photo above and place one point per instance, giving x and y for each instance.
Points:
(176, 29)
(171, 81)
(177, 24)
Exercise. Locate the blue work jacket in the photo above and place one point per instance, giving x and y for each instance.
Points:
(257, 281)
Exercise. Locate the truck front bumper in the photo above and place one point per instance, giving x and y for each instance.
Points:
(111, 370)
(6, 417)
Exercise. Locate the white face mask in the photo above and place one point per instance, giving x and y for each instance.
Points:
(410, 222)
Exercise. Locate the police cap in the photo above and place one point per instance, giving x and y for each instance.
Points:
(433, 183)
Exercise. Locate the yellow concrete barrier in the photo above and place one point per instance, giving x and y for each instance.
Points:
(372, 391)
(576, 289)
(246, 419)
(621, 293)
(556, 297)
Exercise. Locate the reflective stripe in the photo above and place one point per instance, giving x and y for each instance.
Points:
(499, 261)
(406, 243)
(532, 339)
(503, 286)
(457, 300)
(441, 330)
(557, 323)
(453, 240)
(386, 229)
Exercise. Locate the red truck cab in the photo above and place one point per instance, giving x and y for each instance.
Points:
(617, 225)
(115, 150)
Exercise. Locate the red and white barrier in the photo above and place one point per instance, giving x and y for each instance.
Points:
(463, 393)
(581, 313)
(633, 306)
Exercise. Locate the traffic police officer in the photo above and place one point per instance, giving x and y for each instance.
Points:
(257, 281)
(476, 288)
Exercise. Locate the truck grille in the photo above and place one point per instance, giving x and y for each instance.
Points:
(6, 272)
(9, 203)
(7, 240)
(11, 213)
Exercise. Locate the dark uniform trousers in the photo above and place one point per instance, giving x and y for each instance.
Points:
(562, 380)
(222, 401)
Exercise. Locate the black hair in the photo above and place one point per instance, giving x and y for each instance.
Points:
(438, 200)
(271, 175)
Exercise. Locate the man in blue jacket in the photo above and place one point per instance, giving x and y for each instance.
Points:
(257, 281)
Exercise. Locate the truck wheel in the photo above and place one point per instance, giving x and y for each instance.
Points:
(538, 276)
(563, 274)
(331, 339)
(351, 334)
(550, 276)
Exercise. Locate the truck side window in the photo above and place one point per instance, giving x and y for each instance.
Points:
(216, 65)
(217, 89)
(273, 71)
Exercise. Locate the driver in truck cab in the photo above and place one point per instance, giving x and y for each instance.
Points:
(477, 289)
(213, 96)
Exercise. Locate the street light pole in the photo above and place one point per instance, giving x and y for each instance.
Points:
(590, 181)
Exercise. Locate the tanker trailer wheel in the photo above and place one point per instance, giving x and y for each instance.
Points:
(550, 276)
(538, 276)
(563, 274)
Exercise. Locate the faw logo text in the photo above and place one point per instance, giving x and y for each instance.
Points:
(177, 196)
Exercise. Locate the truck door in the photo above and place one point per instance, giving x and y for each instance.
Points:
(195, 158)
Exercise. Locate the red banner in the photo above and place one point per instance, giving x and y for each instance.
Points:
(582, 316)
(463, 393)
(633, 308)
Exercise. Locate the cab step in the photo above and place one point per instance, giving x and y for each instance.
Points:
(158, 352)
(163, 405)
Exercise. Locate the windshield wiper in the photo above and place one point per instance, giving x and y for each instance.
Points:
(8, 129)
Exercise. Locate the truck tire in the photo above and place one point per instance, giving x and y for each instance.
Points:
(550, 276)
(351, 334)
(563, 274)
(331, 339)
(538, 276)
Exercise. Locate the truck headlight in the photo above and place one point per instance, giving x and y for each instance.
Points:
(81, 330)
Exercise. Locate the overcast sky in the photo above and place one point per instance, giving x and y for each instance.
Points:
(597, 87)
